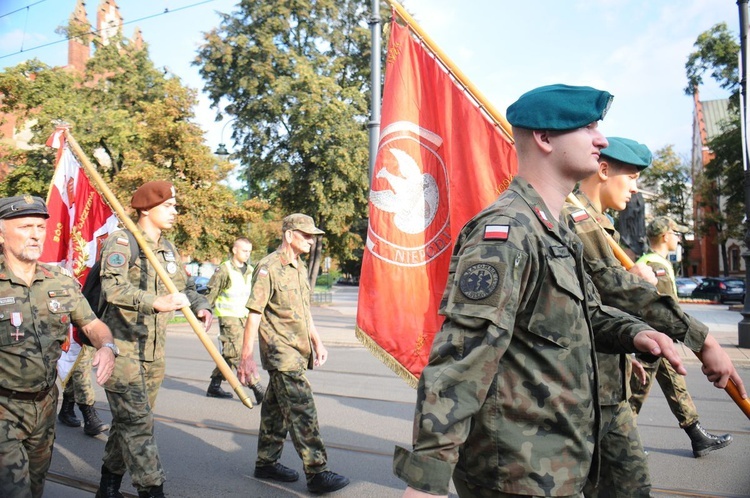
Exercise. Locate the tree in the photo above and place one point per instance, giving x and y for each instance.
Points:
(137, 123)
(668, 178)
(295, 76)
(720, 186)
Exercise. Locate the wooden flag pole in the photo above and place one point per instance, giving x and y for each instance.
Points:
(460, 77)
(622, 256)
(160, 271)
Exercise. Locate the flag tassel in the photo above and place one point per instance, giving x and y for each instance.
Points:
(388, 360)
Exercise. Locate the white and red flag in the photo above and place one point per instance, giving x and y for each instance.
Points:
(79, 223)
(441, 159)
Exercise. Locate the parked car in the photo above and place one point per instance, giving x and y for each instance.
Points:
(201, 284)
(686, 285)
(720, 289)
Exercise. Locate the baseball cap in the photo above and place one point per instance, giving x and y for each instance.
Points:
(301, 222)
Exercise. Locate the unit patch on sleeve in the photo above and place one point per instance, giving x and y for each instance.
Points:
(478, 281)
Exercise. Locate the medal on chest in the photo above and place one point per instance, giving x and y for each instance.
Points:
(16, 319)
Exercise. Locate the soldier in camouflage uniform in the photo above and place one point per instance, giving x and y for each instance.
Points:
(38, 302)
(663, 238)
(80, 390)
(508, 403)
(229, 289)
(138, 310)
(280, 318)
(624, 470)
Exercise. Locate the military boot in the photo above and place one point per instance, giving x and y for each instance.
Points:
(704, 442)
(215, 390)
(109, 485)
(92, 424)
(67, 413)
(152, 492)
(258, 391)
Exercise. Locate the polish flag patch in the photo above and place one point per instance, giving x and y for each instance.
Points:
(579, 215)
(496, 232)
(660, 272)
(123, 241)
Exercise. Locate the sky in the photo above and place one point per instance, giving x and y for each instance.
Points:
(635, 49)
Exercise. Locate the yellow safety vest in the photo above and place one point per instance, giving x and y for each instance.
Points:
(231, 302)
(652, 257)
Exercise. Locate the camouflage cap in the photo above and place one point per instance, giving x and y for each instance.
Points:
(628, 151)
(559, 107)
(152, 194)
(301, 222)
(22, 205)
(663, 224)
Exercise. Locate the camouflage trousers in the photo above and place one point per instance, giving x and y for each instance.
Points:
(131, 446)
(289, 407)
(27, 433)
(672, 385)
(80, 387)
(624, 466)
(468, 490)
(231, 333)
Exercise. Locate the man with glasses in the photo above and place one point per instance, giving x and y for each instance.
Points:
(663, 239)
(280, 318)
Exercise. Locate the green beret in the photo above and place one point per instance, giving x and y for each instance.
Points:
(22, 205)
(628, 151)
(152, 194)
(301, 222)
(559, 107)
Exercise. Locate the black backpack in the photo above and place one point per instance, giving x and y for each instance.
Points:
(92, 288)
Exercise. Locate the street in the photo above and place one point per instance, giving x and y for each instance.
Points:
(208, 445)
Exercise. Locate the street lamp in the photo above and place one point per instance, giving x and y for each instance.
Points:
(221, 150)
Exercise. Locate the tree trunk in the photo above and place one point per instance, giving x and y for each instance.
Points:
(313, 265)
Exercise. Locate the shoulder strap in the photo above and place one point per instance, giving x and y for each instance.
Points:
(134, 254)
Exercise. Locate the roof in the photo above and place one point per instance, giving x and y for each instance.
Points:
(715, 113)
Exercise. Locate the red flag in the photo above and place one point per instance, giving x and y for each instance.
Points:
(79, 223)
(440, 161)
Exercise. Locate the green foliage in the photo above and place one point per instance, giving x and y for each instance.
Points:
(716, 51)
(669, 178)
(138, 123)
(295, 76)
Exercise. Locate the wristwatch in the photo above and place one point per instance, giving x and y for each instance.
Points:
(113, 347)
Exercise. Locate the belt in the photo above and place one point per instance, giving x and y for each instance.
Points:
(37, 396)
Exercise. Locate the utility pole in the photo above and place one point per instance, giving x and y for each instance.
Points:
(744, 325)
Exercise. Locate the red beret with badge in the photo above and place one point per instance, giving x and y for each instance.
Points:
(151, 194)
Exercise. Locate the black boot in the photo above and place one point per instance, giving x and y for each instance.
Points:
(67, 413)
(152, 492)
(258, 391)
(215, 390)
(704, 442)
(109, 485)
(92, 424)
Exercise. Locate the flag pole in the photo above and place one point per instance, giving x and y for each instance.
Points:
(160, 271)
(459, 76)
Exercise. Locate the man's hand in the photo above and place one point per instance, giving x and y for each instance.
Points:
(639, 371)
(413, 493)
(171, 302)
(658, 344)
(321, 355)
(206, 317)
(645, 272)
(104, 361)
(247, 370)
(718, 367)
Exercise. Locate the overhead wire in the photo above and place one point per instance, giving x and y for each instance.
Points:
(96, 31)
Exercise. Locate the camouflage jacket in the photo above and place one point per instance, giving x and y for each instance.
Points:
(621, 289)
(509, 394)
(130, 291)
(281, 293)
(34, 322)
(665, 283)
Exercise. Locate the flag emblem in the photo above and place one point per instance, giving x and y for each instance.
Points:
(496, 232)
(579, 215)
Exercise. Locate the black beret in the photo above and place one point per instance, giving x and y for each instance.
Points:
(22, 205)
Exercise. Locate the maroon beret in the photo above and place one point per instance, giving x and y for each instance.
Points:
(152, 194)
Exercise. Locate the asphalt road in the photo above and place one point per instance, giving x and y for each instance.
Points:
(208, 446)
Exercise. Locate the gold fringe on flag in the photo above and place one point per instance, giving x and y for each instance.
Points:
(389, 361)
